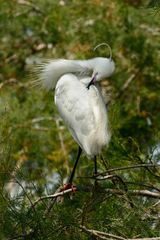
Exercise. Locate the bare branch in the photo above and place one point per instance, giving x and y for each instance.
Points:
(154, 238)
(103, 235)
(126, 84)
(124, 87)
(144, 185)
(29, 4)
(99, 234)
(18, 182)
(58, 194)
(128, 167)
(144, 193)
(41, 119)
(63, 148)
(112, 177)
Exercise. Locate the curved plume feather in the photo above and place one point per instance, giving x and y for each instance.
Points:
(105, 44)
(51, 71)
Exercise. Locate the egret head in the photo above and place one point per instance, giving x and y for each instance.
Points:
(103, 67)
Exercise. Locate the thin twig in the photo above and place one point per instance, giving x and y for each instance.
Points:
(29, 4)
(18, 182)
(99, 234)
(126, 84)
(112, 176)
(104, 235)
(154, 238)
(144, 185)
(58, 194)
(41, 119)
(60, 134)
(128, 167)
(124, 87)
(144, 193)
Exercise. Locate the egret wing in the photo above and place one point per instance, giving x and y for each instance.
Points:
(74, 105)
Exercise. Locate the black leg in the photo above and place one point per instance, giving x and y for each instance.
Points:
(75, 165)
(95, 173)
(95, 165)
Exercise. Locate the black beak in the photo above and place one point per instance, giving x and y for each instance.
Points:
(92, 81)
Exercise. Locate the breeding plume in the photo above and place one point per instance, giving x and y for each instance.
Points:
(79, 100)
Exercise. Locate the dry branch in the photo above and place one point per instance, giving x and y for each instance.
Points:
(29, 4)
(103, 235)
(128, 167)
(62, 144)
(144, 193)
(57, 194)
(99, 234)
(124, 86)
(154, 238)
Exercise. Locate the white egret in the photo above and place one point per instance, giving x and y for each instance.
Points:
(79, 100)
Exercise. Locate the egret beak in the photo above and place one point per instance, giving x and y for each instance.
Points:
(93, 80)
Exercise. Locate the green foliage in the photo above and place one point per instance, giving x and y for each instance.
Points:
(36, 150)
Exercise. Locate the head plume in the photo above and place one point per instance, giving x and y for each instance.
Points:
(105, 44)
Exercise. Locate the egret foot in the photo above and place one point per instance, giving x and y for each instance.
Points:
(67, 186)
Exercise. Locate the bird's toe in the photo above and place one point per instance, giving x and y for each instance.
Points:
(67, 186)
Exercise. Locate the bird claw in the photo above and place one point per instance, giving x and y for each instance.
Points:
(67, 186)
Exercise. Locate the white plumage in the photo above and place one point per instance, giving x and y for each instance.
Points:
(83, 111)
(54, 69)
(79, 100)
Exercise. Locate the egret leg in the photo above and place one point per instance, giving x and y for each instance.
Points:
(75, 165)
(95, 165)
(95, 173)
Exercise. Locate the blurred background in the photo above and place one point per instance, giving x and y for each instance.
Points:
(36, 150)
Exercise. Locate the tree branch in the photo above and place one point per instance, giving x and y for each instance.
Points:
(30, 4)
(99, 234)
(58, 194)
(144, 193)
(63, 148)
(103, 235)
(125, 86)
(128, 167)
(154, 238)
